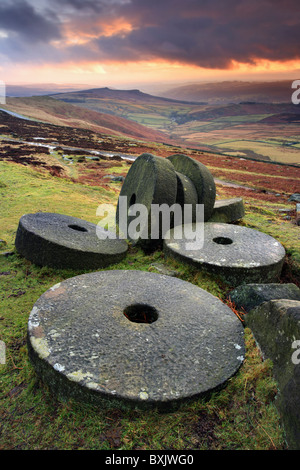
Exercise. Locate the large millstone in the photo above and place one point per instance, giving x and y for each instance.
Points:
(238, 254)
(61, 241)
(150, 181)
(201, 179)
(145, 338)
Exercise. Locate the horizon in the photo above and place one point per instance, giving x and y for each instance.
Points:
(148, 88)
(140, 44)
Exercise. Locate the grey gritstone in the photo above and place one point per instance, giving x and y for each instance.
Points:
(186, 194)
(201, 178)
(238, 254)
(61, 241)
(150, 180)
(134, 336)
(249, 296)
(228, 210)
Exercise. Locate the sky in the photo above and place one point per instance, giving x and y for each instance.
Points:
(122, 43)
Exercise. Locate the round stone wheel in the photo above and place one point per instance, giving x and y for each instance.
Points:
(186, 194)
(238, 254)
(150, 180)
(137, 337)
(62, 241)
(201, 178)
(228, 210)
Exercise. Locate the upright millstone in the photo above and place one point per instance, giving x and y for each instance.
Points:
(62, 241)
(186, 194)
(150, 181)
(132, 336)
(200, 177)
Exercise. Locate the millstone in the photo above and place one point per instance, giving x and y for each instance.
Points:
(201, 178)
(139, 337)
(238, 254)
(61, 241)
(150, 180)
(228, 210)
(186, 194)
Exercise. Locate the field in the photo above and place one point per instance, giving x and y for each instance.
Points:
(67, 178)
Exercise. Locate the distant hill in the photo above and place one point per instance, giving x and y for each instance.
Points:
(129, 96)
(14, 91)
(233, 92)
(50, 110)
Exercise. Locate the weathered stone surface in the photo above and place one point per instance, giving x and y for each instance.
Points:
(228, 210)
(238, 254)
(201, 178)
(249, 296)
(61, 241)
(276, 328)
(294, 197)
(186, 194)
(150, 180)
(83, 345)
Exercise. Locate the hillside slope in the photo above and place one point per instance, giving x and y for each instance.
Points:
(233, 92)
(50, 110)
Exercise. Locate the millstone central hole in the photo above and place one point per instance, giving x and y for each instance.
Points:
(78, 228)
(223, 240)
(141, 313)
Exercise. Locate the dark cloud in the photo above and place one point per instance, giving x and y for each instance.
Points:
(20, 18)
(206, 33)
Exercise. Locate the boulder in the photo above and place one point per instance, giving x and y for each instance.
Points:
(294, 197)
(276, 328)
(249, 296)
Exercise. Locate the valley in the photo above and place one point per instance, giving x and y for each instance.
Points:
(263, 131)
(259, 130)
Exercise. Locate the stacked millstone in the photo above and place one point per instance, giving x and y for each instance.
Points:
(237, 254)
(156, 181)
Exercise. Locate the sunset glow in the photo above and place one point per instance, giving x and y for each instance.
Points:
(127, 43)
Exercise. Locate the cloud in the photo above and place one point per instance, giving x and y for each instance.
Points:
(204, 33)
(21, 19)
